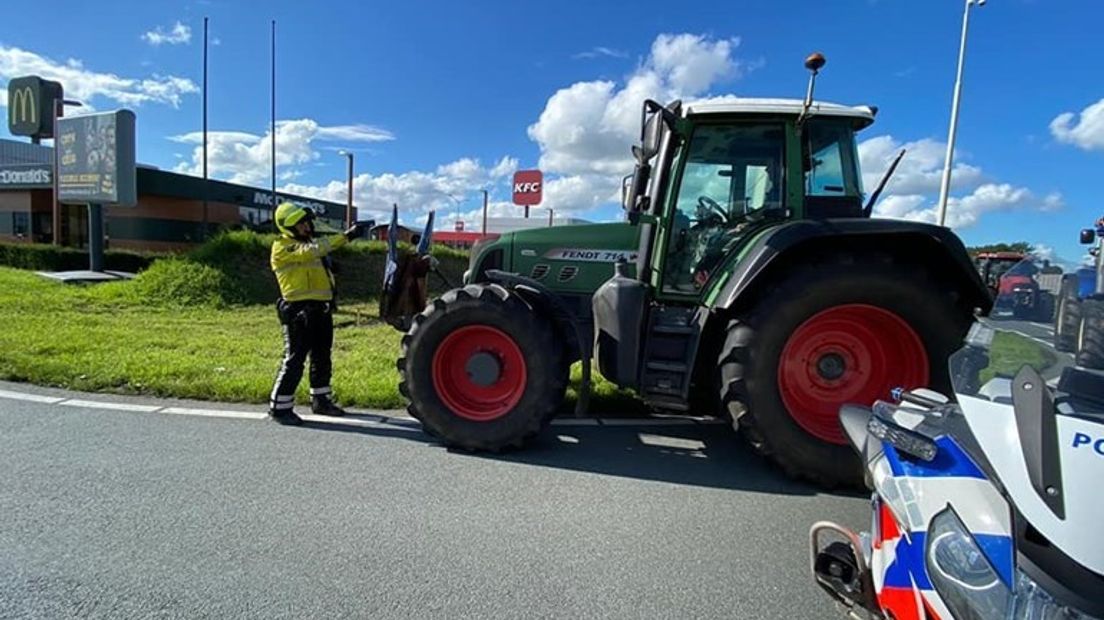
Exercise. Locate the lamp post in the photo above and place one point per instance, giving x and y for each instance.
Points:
(59, 109)
(349, 198)
(945, 186)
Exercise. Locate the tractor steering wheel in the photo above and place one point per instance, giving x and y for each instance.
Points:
(709, 209)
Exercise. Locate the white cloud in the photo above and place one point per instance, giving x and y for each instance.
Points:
(179, 34)
(242, 157)
(450, 187)
(355, 133)
(600, 51)
(588, 127)
(912, 192)
(1084, 129)
(921, 169)
(86, 85)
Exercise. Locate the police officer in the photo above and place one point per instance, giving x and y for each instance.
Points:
(301, 264)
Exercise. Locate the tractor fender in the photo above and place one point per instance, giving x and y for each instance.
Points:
(808, 240)
(546, 301)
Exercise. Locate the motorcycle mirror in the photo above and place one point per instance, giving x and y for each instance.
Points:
(1088, 235)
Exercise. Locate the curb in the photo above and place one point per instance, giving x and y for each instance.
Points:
(354, 418)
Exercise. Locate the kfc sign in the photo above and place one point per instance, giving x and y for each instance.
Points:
(528, 187)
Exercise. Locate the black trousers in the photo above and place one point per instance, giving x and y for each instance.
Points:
(308, 331)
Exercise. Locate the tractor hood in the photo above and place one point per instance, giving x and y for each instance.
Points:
(569, 259)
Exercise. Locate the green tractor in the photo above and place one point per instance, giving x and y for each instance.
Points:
(748, 282)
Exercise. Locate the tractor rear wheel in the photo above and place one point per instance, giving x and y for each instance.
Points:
(1067, 319)
(481, 369)
(848, 330)
(1090, 335)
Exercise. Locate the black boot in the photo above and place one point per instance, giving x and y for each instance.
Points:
(322, 405)
(285, 417)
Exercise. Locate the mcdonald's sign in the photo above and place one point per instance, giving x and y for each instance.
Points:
(31, 106)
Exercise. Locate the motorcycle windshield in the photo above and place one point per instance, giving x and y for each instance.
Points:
(1037, 416)
(1019, 332)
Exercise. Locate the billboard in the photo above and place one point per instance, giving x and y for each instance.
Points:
(96, 159)
(31, 103)
(528, 187)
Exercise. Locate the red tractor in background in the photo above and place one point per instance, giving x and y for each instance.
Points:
(992, 265)
(1015, 286)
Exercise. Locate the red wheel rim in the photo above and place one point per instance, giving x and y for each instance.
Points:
(853, 353)
(479, 372)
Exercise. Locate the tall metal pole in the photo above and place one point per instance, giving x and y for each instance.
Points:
(56, 215)
(274, 202)
(550, 214)
(349, 198)
(945, 186)
(203, 236)
(484, 212)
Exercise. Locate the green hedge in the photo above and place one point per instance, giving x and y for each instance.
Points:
(243, 257)
(44, 257)
(232, 268)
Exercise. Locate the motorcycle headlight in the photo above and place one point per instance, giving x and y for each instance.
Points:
(971, 588)
(960, 572)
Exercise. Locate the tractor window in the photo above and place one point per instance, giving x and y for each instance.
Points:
(731, 174)
(832, 184)
(831, 168)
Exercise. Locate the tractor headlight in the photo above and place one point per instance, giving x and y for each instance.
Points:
(970, 586)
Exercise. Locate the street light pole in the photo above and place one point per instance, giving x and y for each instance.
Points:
(349, 198)
(945, 186)
(484, 213)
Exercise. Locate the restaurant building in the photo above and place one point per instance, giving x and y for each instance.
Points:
(169, 215)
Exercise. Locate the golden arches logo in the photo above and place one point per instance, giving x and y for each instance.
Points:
(22, 106)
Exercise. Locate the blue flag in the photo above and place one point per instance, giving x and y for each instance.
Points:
(392, 251)
(427, 236)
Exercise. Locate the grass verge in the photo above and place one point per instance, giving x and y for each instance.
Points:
(107, 338)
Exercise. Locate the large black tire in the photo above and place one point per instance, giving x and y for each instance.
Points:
(1045, 311)
(1090, 339)
(1067, 318)
(750, 362)
(475, 308)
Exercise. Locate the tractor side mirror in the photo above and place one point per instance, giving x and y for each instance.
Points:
(626, 189)
(649, 143)
(1088, 235)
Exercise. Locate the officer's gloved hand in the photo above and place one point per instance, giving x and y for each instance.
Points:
(358, 230)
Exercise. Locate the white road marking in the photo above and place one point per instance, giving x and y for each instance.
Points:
(574, 422)
(214, 413)
(662, 441)
(646, 422)
(356, 419)
(94, 404)
(33, 398)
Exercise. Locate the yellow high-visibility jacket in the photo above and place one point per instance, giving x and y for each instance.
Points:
(299, 270)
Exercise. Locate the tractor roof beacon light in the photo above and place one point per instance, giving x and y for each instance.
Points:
(814, 63)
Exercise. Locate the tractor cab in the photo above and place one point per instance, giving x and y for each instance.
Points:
(709, 176)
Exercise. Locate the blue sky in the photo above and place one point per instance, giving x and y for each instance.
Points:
(440, 99)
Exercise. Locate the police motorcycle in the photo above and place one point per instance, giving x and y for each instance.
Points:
(991, 506)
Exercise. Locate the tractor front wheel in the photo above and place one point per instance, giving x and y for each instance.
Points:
(1090, 335)
(481, 369)
(1067, 320)
(846, 331)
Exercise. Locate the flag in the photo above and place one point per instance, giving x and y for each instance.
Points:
(427, 236)
(392, 265)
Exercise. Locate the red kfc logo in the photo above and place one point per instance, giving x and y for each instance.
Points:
(528, 187)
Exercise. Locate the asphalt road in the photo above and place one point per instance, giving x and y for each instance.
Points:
(126, 514)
